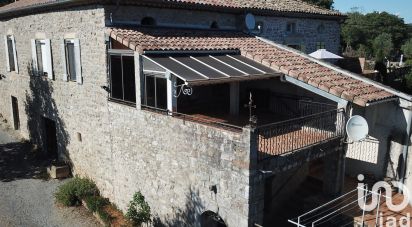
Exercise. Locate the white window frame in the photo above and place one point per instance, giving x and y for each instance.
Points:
(146, 74)
(293, 27)
(46, 57)
(16, 65)
(121, 54)
(320, 45)
(77, 63)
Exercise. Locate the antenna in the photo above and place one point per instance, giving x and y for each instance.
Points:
(357, 128)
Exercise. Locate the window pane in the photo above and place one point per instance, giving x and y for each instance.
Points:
(70, 61)
(129, 84)
(161, 93)
(39, 56)
(116, 77)
(11, 54)
(150, 91)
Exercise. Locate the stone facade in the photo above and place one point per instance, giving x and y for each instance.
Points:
(124, 149)
(308, 31)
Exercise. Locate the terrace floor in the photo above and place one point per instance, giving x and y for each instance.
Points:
(294, 140)
(241, 120)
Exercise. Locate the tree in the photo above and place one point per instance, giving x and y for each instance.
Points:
(353, 33)
(382, 46)
(364, 28)
(407, 50)
(327, 4)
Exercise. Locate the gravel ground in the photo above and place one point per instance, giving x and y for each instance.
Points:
(25, 199)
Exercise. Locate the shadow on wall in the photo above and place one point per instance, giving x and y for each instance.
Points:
(18, 161)
(186, 216)
(46, 128)
(381, 154)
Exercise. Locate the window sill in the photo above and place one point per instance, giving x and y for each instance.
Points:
(126, 103)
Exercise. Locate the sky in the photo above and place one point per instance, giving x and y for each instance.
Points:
(403, 8)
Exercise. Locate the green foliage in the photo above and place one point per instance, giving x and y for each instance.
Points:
(73, 191)
(104, 215)
(382, 46)
(327, 4)
(138, 211)
(408, 80)
(407, 49)
(95, 203)
(363, 29)
(363, 51)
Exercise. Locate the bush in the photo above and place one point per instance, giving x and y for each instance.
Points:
(138, 211)
(104, 215)
(73, 191)
(95, 203)
(408, 80)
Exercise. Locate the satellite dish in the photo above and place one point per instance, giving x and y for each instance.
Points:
(250, 21)
(357, 128)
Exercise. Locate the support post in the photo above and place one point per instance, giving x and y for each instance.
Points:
(171, 91)
(138, 62)
(234, 98)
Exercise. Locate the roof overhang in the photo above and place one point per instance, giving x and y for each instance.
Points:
(59, 4)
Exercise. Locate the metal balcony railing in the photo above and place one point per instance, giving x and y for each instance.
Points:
(287, 136)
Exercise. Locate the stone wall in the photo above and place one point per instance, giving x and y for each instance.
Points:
(308, 31)
(123, 149)
(379, 154)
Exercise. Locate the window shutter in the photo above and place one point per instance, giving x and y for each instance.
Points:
(78, 63)
(63, 50)
(34, 57)
(7, 54)
(16, 65)
(48, 60)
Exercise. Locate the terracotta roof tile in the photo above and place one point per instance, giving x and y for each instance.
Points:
(284, 61)
(294, 6)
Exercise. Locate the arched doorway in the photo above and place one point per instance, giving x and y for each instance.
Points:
(211, 219)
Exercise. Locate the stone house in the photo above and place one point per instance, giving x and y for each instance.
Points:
(183, 102)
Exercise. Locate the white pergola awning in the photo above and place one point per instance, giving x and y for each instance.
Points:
(197, 69)
(324, 54)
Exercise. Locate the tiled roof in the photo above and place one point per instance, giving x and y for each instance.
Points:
(296, 6)
(282, 60)
(275, 5)
(25, 3)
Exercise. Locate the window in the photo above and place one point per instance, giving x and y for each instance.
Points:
(42, 58)
(291, 27)
(122, 78)
(321, 28)
(214, 25)
(295, 46)
(155, 87)
(71, 60)
(320, 45)
(148, 21)
(11, 54)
